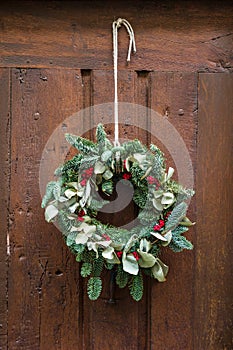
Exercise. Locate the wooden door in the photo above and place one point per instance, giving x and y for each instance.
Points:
(43, 302)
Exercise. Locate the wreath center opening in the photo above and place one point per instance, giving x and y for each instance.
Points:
(121, 209)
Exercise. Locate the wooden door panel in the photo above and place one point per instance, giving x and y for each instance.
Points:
(175, 96)
(41, 306)
(47, 303)
(213, 286)
(5, 129)
(104, 317)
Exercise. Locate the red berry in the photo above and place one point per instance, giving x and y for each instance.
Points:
(136, 255)
(126, 176)
(119, 254)
(106, 237)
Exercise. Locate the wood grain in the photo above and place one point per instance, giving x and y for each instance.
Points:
(102, 315)
(172, 301)
(213, 268)
(44, 291)
(5, 155)
(45, 305)
(171, 36)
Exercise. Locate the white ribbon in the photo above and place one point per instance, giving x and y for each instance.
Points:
(132, 47)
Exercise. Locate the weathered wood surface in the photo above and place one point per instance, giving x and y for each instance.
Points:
(172, 301)
(171, 35)
(44, 291)
(213, 286)
(5, 129)
(47, 303)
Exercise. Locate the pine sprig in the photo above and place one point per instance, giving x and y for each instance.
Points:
(83, 145)
(86, 269)
(49, 194)
(179, 242)
(136, 287)
(98, 265)
(64, 223)
(140, 197)
(107, 186)
(101, 137)
(94, 288)
(176, 216)
(158, 165)
(89, 161)
(134, 146)
(121, 277)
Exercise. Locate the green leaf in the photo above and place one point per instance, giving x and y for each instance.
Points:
(99, 168)
(94, 288)
(130, 264)
(50, 212)
(107, 174)
(110, 255)
(146, 259)
(159, 270)
(106, 155)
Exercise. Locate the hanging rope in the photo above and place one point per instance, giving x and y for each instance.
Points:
(132, 47)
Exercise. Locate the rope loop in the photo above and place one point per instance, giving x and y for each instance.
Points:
(132, 48)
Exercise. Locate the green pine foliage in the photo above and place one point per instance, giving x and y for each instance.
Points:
(57, 189)
(86, 269)
(137, 174)
(134, 146)
(94, 288)
(49, 194)
(101, 137)
(64, 223)
(178, 213)
(88, 256)
(70, 238)
(107, 187)
(121, 277)
(181, 193)
(140, 197)
(79, 254)
(98, 265)
(179, 242)
(81, 144)
(158, 165)
(75, 206)
(88, 161)
(96, 205)
(136, 287)
(69, 171)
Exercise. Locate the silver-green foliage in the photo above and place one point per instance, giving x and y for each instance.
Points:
(94, 288)
(136, 287)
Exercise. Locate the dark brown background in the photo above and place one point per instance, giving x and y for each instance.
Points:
(56, 58)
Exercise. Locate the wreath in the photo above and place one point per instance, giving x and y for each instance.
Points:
(73, 202)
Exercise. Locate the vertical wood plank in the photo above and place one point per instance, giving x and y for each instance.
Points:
(4, 198)
(213, 282)
(174, 96)
(100, 314)
(44, 291)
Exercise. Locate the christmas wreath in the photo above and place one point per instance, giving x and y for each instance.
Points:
(73, 202)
